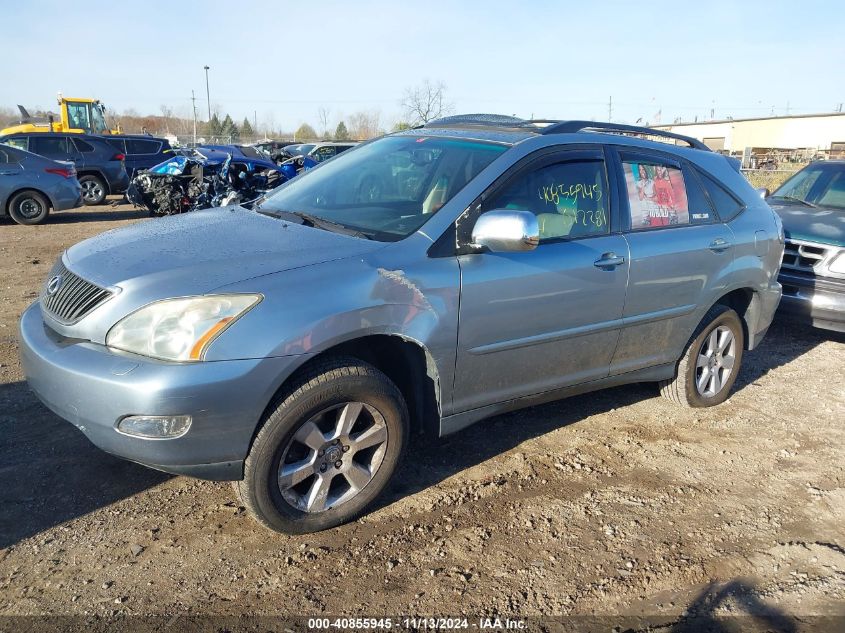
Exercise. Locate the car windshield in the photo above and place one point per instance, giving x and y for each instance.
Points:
(818, 185)
(388, 188)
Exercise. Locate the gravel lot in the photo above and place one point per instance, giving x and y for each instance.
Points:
(610, 503)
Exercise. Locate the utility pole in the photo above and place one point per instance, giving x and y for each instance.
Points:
(610, 109)
(207, 93)
(194, 104)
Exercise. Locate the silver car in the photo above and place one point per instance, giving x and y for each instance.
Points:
(299, 347)
(31, 185)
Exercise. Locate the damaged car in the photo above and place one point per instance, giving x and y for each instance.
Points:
(302, 346)
(204, 178)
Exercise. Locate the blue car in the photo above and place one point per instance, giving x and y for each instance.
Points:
(141, 151)
(31, 185)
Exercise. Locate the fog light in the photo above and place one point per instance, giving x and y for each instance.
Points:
(161, 427)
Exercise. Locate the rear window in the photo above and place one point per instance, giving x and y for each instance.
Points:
(83, 146)
(727, 206)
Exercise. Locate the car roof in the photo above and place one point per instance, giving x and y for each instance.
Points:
(511, 130)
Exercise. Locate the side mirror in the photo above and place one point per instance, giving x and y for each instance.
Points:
(504, 231)
(764, 192)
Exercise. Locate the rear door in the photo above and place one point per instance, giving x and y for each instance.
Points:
(534, 321)
(679, 252)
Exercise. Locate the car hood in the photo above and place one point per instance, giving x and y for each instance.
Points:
(822, 224)
(197, 252)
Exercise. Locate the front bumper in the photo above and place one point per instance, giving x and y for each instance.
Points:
(814, 300)
(93, 387)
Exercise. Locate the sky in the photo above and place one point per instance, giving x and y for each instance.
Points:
(283, 61)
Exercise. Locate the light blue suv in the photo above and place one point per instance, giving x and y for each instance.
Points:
(300, 346)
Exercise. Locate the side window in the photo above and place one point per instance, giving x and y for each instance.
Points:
(50, 145)
(657, 194)
(726, 205)
(569, 198)
(141, 146)
(324, 153)
(21, 142)
(83, 146)
(700, 209)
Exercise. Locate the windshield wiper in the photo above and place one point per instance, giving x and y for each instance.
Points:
(315, 221)
(798, 200)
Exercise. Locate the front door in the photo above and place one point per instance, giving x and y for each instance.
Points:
(534, 321)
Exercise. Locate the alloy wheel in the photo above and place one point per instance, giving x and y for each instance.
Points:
(715, 361)
(332, 457)
(91, 190)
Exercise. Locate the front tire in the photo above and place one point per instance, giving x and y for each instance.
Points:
(93, 190)
(708, 369)
(29, 208)
(327, 448)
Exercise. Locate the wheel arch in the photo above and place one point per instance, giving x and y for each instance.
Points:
(92, 171)
(406, 361)
(746, 303)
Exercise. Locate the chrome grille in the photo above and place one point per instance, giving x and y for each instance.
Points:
(71, 297)
(802, 257)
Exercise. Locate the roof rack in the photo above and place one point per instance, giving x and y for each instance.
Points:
(565, 127)
(482, 120)
(554, 126)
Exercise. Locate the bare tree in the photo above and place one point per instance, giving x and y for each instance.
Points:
(323, 114)
(426, 102)
(364, 125)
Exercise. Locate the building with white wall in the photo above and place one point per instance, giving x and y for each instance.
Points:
(816, 133)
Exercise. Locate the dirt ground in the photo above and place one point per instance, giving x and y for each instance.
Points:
(611, 503)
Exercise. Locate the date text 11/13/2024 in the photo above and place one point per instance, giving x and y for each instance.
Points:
(416, 623)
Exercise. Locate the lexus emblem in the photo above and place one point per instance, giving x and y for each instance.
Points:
(54, 284)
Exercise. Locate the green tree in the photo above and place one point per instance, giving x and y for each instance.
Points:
(246, 129)
(401, 125)
(306, 133)
(230, 129)
(213, 127)
(341, 133)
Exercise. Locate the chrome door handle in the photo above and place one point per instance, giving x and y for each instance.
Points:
(719, 244)
(609, 260)
(7, 173)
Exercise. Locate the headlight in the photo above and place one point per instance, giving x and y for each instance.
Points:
(837, 265)
(178, 329)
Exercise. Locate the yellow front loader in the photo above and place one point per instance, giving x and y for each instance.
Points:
(80, 116)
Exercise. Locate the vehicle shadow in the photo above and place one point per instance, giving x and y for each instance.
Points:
(433, 460)
(49, 471)
(747, 612)
(105, 213)
(786, 340)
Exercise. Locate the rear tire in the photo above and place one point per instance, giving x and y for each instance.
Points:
(29, 208)
(327, 448)
(94, 189)
(708, 369)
